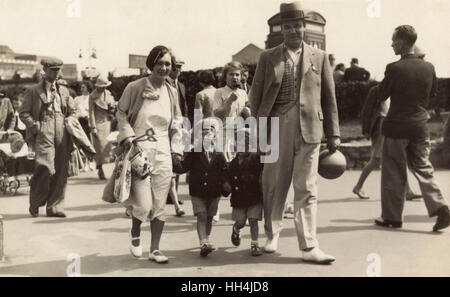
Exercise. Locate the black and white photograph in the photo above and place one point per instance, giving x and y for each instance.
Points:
(210, 140)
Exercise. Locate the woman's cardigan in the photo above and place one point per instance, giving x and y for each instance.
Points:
(131, 103)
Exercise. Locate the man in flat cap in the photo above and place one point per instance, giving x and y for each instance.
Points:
(44, 109)
(294, 82)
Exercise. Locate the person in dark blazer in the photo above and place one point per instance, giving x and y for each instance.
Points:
(207, 168)
(244, 178)
(294, 82)
(410, 82)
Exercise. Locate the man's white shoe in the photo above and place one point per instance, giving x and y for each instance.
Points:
(158, 257)
(271, 244)
(317, 256)
(136, 251)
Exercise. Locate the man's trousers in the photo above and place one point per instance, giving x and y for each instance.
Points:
(48, 184)
(298, 162)
(397, 155)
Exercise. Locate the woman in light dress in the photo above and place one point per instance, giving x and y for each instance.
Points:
(150, 102)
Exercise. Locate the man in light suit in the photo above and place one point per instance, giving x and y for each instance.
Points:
(294, 82)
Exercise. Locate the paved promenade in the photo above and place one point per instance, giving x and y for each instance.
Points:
(98, 233)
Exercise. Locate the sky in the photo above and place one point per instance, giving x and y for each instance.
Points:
(206, 33)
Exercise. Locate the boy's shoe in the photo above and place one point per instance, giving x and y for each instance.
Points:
(235, 237)
(158, 257)
(256, 250)
(206, 249)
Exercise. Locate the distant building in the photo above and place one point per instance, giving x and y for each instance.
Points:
(26, 65)
(314, 35)
(69, 72)
(12, 63)
(248, 55)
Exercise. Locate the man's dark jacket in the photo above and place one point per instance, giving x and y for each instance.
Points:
(356, 73)
(410, 82)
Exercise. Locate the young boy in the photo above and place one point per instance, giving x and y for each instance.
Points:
(207, 171)
(244, 177)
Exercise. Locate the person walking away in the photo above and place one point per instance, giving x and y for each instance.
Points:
(100, 102)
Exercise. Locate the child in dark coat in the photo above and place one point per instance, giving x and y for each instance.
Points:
(207, 171)
(244, 177)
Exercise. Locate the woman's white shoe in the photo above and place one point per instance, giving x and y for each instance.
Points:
(136, 251)
(158, 257)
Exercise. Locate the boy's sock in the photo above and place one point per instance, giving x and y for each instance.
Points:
(203, 241)
(254, 242)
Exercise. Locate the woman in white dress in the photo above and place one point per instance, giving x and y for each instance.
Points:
(150, 102)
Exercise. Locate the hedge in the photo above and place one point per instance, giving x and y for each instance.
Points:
(350, 96)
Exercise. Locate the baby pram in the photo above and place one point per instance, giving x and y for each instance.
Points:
(15, 160)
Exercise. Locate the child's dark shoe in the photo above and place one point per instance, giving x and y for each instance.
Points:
(206, 249)
(235, 238)
(256, 250)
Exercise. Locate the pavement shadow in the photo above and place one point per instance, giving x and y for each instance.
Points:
(349, 199)
(82, 219)
(406, 219)
(290, 232)
(99, 265)
(86, 181)
(17, 195)
(13, 217)
(95, 207)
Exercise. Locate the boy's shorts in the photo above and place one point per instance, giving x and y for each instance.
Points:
(206, 205)
(251, 212)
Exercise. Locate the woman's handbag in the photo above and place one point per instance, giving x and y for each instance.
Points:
(122, 175)
(140, 165)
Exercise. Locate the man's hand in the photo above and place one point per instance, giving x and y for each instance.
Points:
(126, 143)
(245, 113)
(94, 132)
(333, 143)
